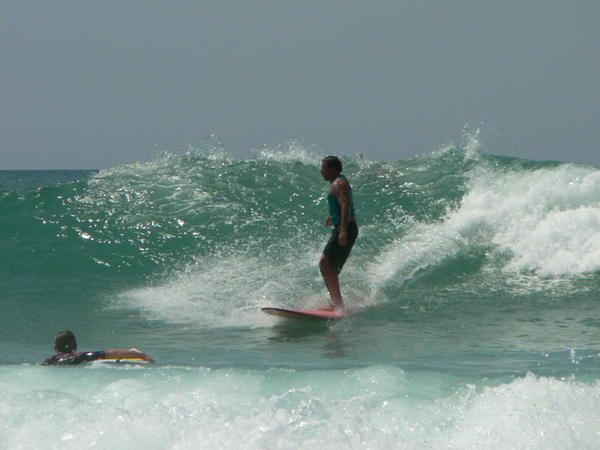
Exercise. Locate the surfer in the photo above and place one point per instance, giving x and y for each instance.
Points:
(65, 346)
(345, 230)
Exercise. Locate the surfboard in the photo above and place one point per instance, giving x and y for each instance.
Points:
(314, 314)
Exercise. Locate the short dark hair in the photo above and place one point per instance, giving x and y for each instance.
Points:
(65, 342)
(333, 161)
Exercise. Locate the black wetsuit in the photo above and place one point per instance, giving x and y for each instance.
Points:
(68, 359)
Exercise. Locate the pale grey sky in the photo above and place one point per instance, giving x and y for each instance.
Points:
(95, 84)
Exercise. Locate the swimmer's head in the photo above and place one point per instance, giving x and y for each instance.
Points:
(65, 342)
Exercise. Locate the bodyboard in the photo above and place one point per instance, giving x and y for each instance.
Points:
(130, 360)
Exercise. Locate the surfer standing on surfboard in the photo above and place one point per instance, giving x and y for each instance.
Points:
(345, 230)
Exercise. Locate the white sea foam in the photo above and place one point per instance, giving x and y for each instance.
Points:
(293, 152)
(530, 412)
(230, 291)
(375, 407)
(545, 221)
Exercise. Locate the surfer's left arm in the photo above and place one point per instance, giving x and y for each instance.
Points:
(342, 190)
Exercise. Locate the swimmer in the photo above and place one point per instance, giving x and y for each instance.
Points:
(65, 347)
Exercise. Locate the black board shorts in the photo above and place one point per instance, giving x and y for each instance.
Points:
(336, 253)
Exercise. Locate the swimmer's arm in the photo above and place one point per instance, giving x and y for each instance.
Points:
(119, 353)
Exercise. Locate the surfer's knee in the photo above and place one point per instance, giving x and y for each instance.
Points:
(324, 265)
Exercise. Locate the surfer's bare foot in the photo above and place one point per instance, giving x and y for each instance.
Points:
(327, 308)
(338, 308)
(333, 307)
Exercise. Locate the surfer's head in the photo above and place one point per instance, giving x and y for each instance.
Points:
(331, 167)
(65, 342)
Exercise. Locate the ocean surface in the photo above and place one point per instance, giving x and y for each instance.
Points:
(475, 281)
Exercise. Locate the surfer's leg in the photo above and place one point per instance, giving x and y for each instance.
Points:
(332, 282)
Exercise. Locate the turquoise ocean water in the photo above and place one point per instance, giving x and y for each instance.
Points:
(476, 278)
